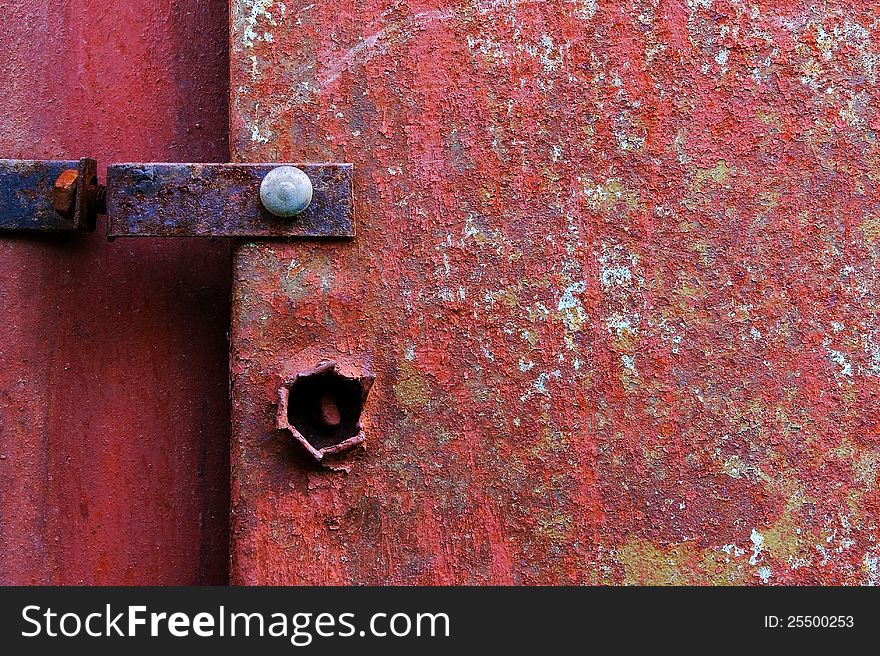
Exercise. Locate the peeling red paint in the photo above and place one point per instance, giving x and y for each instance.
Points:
(615, 272)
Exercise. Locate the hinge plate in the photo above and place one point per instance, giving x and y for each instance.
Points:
(181, 200)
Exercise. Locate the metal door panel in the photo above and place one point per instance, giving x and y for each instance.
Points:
(615, 277)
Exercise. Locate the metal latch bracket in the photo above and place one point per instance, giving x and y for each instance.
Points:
(170, 200)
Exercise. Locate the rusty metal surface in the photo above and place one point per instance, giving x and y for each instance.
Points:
(85, 202)
(615, 275)
(221, 200)
(26, 196)
(114, 412)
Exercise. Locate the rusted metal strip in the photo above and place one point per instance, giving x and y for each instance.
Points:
(192, 200)
(26, 201)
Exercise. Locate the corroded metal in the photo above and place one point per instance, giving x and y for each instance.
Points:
(321, 409)
(193, 200)
(64, 193)
(31, 195)
(616, 274)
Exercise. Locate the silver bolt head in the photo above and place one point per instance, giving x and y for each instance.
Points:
(286, 191)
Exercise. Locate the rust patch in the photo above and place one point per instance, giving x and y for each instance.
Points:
(64, 193)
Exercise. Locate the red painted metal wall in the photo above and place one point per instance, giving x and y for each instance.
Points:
(615, 274)
(113, 357)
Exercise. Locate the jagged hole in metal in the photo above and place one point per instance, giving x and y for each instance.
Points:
(313, 396)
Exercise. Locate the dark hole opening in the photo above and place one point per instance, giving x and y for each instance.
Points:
(325, 408)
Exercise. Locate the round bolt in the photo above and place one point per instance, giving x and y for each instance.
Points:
(286, 191)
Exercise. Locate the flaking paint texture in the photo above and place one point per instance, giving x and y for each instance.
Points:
(615, 273)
